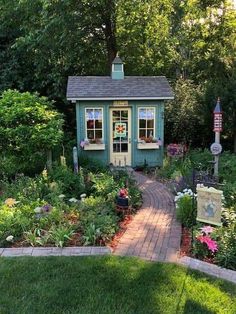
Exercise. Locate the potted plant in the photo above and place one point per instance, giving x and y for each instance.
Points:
(123, 198)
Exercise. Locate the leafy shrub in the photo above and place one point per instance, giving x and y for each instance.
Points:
(186, 208)
(29, 127)
(72, 184)
(226, 255)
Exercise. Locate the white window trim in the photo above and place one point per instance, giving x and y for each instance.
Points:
(94, 108)
(154, 127)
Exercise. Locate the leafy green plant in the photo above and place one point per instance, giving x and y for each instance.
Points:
(91, 234)
(186, 208)
(60, 235)
(37, 237)
(71, 184)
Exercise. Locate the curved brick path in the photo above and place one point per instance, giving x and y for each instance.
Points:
(154, 233)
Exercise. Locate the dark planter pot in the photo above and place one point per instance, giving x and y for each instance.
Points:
(121, 201)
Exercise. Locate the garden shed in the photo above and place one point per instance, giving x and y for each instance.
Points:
(120, 119)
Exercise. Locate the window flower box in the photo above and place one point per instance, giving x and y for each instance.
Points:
(94, 147)
(144, 145)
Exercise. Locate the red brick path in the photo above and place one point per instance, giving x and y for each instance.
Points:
(154, 233)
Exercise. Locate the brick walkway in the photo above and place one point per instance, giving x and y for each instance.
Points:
(154, 233)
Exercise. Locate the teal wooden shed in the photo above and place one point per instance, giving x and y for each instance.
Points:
(120, 119)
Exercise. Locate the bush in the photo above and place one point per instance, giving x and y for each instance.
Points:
(71, 184)
(29, 127)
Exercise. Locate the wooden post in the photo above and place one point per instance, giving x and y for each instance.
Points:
(75, 160)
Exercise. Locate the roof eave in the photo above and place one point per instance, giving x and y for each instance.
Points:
(73, 99)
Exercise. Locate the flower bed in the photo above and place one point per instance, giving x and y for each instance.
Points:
(61, 208)
(211, 244)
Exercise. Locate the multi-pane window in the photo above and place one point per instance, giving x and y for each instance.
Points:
(146, 123)
(94, 124)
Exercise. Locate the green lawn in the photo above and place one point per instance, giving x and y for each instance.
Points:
(108, 285)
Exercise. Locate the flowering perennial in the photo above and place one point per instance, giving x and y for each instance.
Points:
(211, 244)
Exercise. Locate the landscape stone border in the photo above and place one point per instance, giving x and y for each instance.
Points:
(55, 251)
(208, 268)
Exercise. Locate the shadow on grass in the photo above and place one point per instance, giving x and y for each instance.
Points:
(194, 307)
(106, 285)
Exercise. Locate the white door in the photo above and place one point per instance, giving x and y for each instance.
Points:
(120, 137)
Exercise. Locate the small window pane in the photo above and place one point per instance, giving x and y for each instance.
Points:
(124, 115)
(150, 124)
(116, 147)
(90, 134)
(142, 133)
(90, 124)
(150, 133)
(98, 124)
(89, 114)
(124, 147)
(98, 134)
(142, 123)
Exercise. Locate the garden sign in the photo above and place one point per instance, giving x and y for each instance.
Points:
(209, 205)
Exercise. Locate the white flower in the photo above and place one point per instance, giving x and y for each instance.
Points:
(185, 190)
(73, 200)
(37, 210)
(83, 195)
(61, 196)
(9, 238)
(179, 193)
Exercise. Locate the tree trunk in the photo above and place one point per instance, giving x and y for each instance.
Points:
(110, 32)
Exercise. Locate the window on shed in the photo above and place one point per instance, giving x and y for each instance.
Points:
(94, 124)
(146, 124)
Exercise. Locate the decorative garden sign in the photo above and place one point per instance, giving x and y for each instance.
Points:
(209, 205)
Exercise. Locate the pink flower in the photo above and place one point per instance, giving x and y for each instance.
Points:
(207, 229)
(211, 244)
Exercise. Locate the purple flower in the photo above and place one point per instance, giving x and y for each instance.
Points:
(46, 208)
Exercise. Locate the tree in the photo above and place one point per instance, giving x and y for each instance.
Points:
(29, 127)
(182, 115)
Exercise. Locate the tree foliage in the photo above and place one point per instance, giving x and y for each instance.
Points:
(29, 126)
(44, 41)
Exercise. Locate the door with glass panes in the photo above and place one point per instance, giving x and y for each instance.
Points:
(120, 137)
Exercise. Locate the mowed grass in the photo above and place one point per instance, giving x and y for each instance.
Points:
(108, 285)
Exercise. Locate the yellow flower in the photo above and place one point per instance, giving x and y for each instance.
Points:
(10, 202)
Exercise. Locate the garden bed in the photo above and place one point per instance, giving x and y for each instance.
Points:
(61, 208)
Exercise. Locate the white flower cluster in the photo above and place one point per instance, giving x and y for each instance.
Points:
(184, 193)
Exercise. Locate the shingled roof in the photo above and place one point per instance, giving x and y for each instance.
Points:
(106, 88)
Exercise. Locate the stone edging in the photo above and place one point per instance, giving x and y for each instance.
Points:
(208, 268)
(192, 263)
(55, 251)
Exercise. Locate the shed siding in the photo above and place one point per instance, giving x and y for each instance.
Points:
(153, 157)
